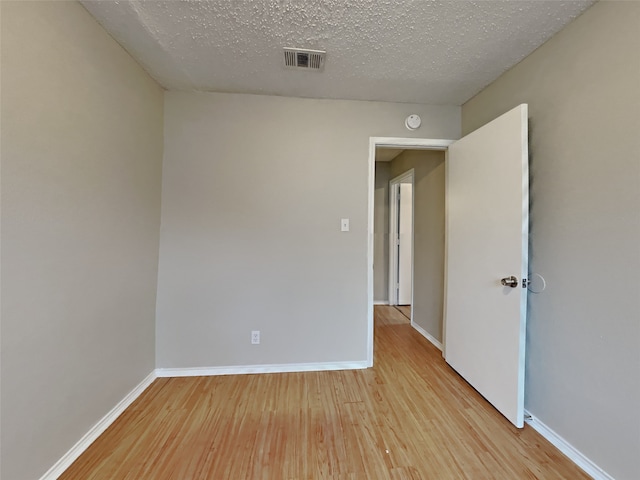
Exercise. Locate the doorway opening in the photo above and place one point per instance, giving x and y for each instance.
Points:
(401, 234)
(408, 171)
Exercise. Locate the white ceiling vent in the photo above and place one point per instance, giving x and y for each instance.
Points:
(301, 58)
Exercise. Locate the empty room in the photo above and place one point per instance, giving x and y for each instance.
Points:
(197, 239)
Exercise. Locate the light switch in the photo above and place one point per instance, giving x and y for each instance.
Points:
(344, 225)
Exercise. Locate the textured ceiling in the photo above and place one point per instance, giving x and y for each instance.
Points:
(437, 52)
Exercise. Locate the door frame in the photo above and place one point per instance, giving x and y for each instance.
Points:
(392, 142)
(394, 217)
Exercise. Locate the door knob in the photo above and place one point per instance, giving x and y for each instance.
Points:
(510, 281)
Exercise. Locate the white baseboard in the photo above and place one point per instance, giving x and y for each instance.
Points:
(381, 302)
(68, 458)
(427, 335)
(569, 450)
(247, 369)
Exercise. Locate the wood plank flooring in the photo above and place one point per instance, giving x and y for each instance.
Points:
(408, 418)
(405, 310)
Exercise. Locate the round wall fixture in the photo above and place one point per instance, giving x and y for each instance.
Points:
(413, 122)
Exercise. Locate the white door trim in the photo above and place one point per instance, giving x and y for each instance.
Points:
(406, 177)
(394, 142)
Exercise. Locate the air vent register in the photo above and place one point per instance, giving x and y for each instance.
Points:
(305, 59)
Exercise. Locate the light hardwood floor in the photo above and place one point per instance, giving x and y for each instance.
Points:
(409, 417)
(405, 310)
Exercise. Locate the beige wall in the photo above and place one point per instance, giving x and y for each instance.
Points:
(381, 233)
(81, 175)
(428, 247)
(254, 188)
(583, 357)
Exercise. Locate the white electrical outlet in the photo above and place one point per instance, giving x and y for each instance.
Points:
(255, 337)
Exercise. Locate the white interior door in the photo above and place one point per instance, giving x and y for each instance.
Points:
(487, 240)
(405, 241)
